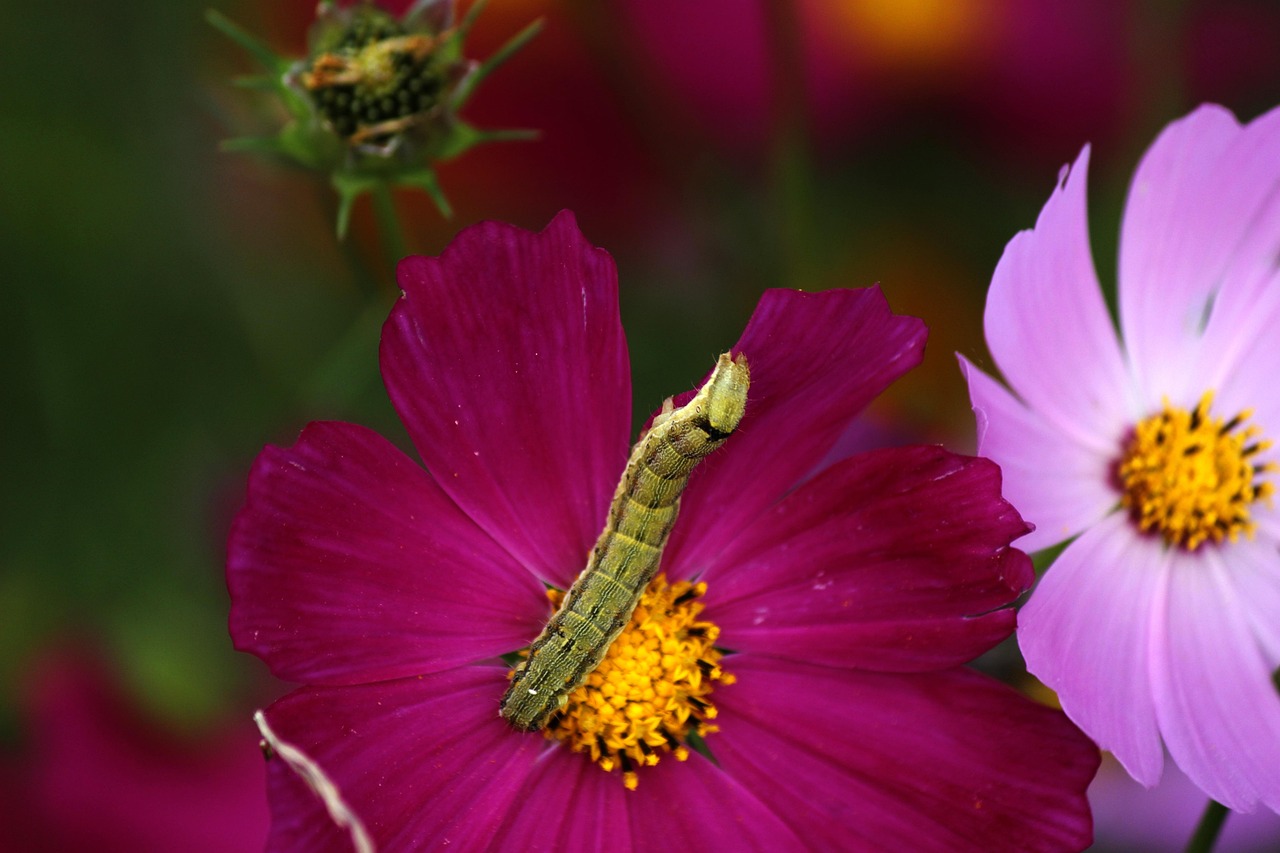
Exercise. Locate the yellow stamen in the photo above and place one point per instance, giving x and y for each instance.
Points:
(374, 66)
(651, 692)
(1193, 477)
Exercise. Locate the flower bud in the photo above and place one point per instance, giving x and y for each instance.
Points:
(376, 101)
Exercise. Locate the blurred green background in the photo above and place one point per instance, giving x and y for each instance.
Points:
(170, 308)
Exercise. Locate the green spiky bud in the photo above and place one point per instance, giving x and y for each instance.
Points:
(376, 101)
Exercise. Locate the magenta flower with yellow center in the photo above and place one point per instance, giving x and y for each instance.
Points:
(791, 679)
(1153, 455)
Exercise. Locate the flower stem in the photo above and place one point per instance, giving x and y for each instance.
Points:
(794, 181)
(1206, 834)
(384, 209)
(344, 373)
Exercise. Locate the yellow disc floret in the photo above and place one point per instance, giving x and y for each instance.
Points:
(1193, 477)
(651, 692)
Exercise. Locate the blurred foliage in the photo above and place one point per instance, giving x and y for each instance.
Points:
(147, 356)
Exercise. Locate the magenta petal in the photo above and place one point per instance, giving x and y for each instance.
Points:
(694, 805)
(1048, 327)
(348, 564)
(422, 762)
(892, 560)
(816, 360)
(1086, 633)
(942, 761)
(1058, 484)
(570, 805)
(1215, 698)
(505, 359)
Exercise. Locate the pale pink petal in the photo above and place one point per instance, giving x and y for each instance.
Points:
(348, 564)
(1249, 175)
(816, 360)
(1216, 700)
(945, 761)
(1193, 202)
(506, 360)
(421, 762)
(695, 805)
(1048, 327)
(893, 560)
(1086, 631)
(1255, 577)
(1241, 351)
(1059, 484)
(1268, 519)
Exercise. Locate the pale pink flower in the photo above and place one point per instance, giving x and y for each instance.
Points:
(1150, 453)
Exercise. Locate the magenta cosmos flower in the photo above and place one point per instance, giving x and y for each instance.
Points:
(841, 718)
(1159, 625)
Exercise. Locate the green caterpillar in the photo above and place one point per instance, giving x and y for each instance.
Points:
(626, 556)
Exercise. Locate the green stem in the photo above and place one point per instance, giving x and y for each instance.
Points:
(384, 209)
(1206, 834)
(343, 374)
(1157, 31)
(794, 181)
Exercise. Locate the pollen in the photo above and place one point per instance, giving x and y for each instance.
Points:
(1193, 477)
(651, 693)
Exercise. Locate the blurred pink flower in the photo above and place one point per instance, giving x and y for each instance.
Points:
(1127, 816)
(96, 774)
(1159, 625)
(849, 602)
(864, 62)
(1231, 51)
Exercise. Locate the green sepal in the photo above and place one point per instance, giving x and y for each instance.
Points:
(468, 86)
(278, 67)
(311, 145)
(298, 104)
(271, 60)
(350, 186)
(425, 180)
(463, 137)
(698, 744)
(1041, 560)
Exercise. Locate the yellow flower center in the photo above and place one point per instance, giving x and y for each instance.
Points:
(1193, 477)
(650, 694)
